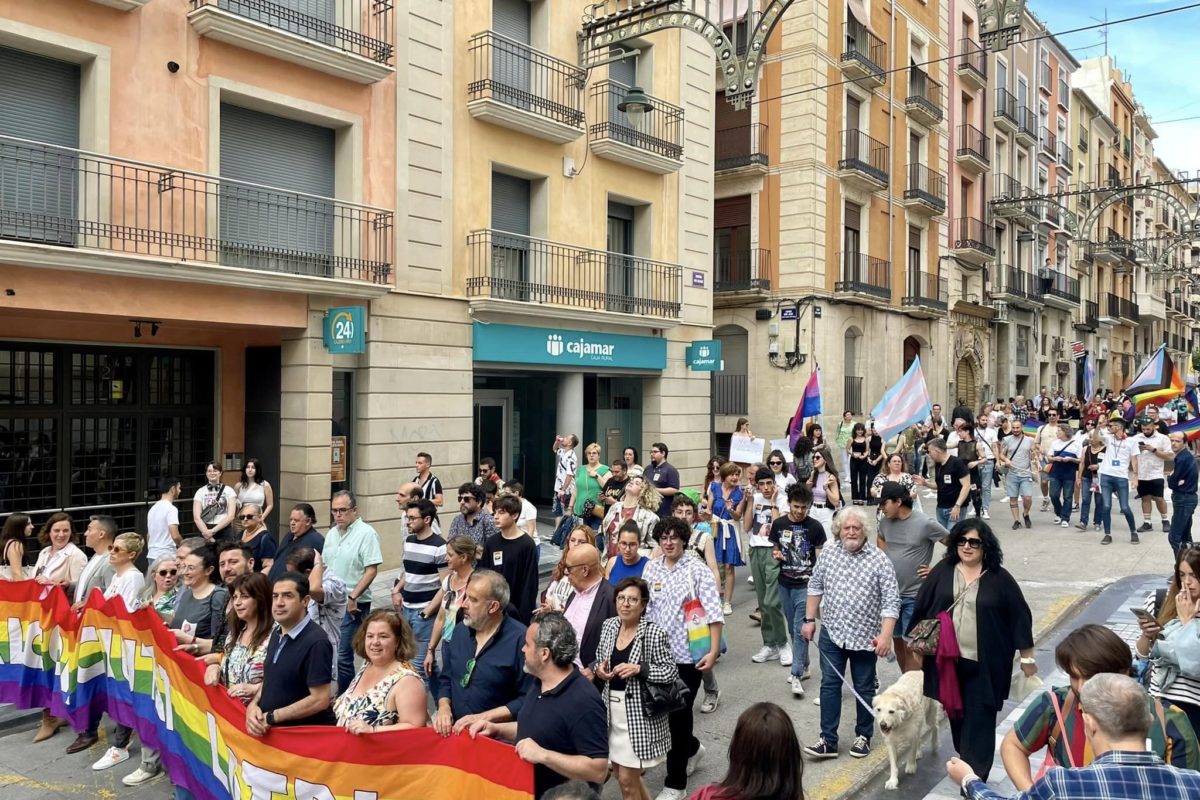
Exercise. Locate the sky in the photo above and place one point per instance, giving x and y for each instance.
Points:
(1160, 56)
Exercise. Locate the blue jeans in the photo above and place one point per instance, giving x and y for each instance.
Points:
(943, 516)
(918, 463)
(350, 624)
(1108, 485)
(1085, 500)
(1183, 507)
(862, 674)
(986, 470)
(907, 606)
(422, 629)
(1062, 495)
(792, 600)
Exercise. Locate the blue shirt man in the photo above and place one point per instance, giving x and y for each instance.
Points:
(1183, 493)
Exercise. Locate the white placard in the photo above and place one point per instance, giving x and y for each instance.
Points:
(745, 450)
(782, 446)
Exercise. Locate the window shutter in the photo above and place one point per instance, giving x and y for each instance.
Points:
(511, 18)
(510, 204)
(731, 213)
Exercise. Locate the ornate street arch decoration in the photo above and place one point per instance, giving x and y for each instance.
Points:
(1086, 230)
(1069, 219)
(609, 23)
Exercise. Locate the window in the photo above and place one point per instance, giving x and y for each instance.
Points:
(731, 229)
(1022, 355)
(915, 264)
(1001, 73)
(852, 233)
(622, 272)
(510, 243)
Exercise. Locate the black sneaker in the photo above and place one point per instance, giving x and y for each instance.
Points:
(822, 750)
(1016, 525)
(861, 747)
(1146, 526)
(1082, 526)
(1133, 539)
(1166, 526)
(1108, 539)
(1028, 521)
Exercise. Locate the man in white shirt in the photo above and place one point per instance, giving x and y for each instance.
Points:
(1154, 450)
(1120, 457)
(162, 522)
(768, 505)
(565, 464)
(1043, 444)
(527, 521)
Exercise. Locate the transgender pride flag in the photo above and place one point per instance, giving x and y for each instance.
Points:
(810, 406)
(905, 404)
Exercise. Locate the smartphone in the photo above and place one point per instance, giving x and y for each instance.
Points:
(1142, 613)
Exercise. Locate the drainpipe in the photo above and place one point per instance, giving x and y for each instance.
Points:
(891, 116)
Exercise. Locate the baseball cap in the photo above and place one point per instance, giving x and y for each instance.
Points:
(892, 491)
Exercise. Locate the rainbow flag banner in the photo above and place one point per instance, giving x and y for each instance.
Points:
(1031, 426)
(106, 658)
(1189, 428)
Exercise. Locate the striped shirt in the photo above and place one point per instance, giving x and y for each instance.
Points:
(423, 560)
(431, 488)
(1184, 689)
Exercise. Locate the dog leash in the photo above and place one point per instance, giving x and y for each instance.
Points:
(849, 685)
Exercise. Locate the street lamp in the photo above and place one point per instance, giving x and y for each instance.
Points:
(635, 105)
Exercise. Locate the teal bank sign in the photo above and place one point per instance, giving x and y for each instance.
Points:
(520, 344)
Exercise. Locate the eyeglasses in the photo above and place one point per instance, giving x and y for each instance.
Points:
(669, 538)
(627, 544)
(252, 516)
(337, 511)
(167, 572)
(623, 600)
(971, 544)
(465, 680)
(569, 568)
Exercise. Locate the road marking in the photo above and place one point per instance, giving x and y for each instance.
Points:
(46, 786)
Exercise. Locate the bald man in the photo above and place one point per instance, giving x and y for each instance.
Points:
(407, 493)
(593, 601)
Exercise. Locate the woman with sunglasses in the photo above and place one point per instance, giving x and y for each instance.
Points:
(127, 581)
(826, 489)
(162, 587)
(633, 651)
(778, 467)
(256, 536)
(991, 621)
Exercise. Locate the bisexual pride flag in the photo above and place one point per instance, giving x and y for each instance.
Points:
(810, 406)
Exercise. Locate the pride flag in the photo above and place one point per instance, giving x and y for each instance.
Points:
(1192, 398)
(1030, 428)
(1190, 428)
(905, 404)
(125, 663)
(1157, 381)
(810, 406)
(1089, 376)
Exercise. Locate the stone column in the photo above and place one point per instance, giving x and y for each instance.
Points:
(306, 408)
(570, 408)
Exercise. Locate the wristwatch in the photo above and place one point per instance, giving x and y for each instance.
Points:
(271, 718)
(807, 620)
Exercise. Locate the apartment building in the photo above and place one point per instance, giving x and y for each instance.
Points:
(1167, 212)
(830, 217)
(334, 237)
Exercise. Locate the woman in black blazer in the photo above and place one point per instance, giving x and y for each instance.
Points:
(992, 622)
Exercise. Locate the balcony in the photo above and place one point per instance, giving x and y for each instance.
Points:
(508, 273)
(62, 208)
(1064, 94)
(351, 39)
(925, 101)
(926, 295)
(1008, 201)
(925, 193)
(654, 144)
(741, 150)
(864, 162)
(1045, 79)
(1027, 127)
(974, 242)
(122, 5)
(971, 66)
(1087, 317)
(865, 55)
(1005, 115)
(1053, 216)
(730, 394)
(1122, 310)
(1066, 156)
(1108, 179)
(514, 86)
(973, 149)
(870, 278)
(1049, 143)
(1016, 286)
(746, 271)
(1060, 290)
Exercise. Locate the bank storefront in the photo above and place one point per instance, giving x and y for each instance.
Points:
(531, 383)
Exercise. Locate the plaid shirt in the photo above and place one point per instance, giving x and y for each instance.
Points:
(1116, 775)
(856, 590)
(669, 587)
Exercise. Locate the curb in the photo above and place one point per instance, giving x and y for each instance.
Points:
(875, 764)
(13, 718)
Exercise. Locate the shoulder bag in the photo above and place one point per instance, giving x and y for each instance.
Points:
(923, 641)
(1060, 729)
(665, 698)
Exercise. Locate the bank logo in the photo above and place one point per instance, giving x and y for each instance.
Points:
(704, 351)
(554, 345)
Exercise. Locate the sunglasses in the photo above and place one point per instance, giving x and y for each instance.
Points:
(167, 572)
(775, 463)
(971, 544)
(462, 498)
(112, 548)
(465, 680)
(252, 516)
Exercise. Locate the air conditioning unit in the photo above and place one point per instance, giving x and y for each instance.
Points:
(1000, 312)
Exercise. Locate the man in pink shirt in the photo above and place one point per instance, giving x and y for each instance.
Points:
(593, 601)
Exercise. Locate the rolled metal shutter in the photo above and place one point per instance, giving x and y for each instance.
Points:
(511, 63)
(39, 102)
(512, 18)
(277, 181)
(510, 254)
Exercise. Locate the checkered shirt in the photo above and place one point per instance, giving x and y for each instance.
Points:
(1116, 775)
(669, 587)
(857, 590)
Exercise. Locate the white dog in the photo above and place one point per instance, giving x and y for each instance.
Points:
(904, 715)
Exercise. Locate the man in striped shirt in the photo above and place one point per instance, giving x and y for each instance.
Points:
(415, 593)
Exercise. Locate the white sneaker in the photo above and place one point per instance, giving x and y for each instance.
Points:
(767, 653)
(750, 579)
(138, 777)
(1064, 524)
(694, 761)
(112, 757)
(986, 515)
(797, 687)
(806, 674)
(727, 610)
(785, 656)
(672, 794)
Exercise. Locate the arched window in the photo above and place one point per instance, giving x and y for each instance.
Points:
(853, 387)
(912, 350)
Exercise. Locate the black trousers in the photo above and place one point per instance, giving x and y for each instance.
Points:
(684, 744)
(860, 479)
(974, 734)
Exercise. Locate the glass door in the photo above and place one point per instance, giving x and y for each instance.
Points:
(492, 428)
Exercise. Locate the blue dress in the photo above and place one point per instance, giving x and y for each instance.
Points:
(726, 530)
(621, 570)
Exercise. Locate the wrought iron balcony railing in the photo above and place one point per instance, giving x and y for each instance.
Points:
(74, 198)
(1110, 176)
(1049, 142)
(974, 234)
(660, 130)
(1027, 122)
(926, 290)
(507, 266)
(515, 74)
(925, 91)
(1007, 279)
(361, 27)
(862, 153)
(865, 274)
(1120, 308)
(925, 184)
(743, 146)
(743, 271)
(1060, 284)
(1089, 316)
(973, 57)
(1006, 105)
(865, 48)
(973, 142)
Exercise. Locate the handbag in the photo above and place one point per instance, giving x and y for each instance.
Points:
(695, 622)
(923, 638)
(665, 698)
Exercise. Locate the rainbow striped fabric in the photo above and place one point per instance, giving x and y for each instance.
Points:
(1031, 426)
(126, 664)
